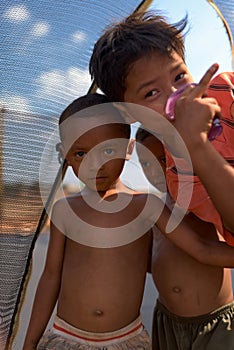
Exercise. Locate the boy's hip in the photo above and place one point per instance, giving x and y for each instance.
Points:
(132, 336)
(212, 331)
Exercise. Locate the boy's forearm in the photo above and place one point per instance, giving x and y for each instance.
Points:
(217, 177)
(209, 252)
(44, 303)
(217, 253)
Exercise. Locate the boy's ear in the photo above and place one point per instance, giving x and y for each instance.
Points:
(130, 148)
(61, 152)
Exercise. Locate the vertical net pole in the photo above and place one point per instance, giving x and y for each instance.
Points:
(229, 33)
(2, 112)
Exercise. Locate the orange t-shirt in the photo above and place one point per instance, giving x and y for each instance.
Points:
(221, 88)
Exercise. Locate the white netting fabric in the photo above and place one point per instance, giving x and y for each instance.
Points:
(45, 50)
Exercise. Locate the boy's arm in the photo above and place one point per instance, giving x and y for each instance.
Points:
(194, 113)
(215, 173)
(47, 290)
(206, 251)
(217, 176)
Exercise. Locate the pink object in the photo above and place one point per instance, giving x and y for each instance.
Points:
(216, 127)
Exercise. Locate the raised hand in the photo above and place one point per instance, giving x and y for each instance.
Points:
(194, 111)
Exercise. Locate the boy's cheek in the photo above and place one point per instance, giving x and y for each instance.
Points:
(158, 107)
(156, 104)
(157, 179)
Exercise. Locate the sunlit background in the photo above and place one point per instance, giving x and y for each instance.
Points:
(33, 35)
(46, 58)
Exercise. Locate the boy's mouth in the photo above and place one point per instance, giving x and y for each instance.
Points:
(98, 178)
(101, 178)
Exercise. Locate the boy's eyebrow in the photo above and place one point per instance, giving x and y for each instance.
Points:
(78, 148)
(154, 80)
(145, 84)
(177, 66)
(105, 143)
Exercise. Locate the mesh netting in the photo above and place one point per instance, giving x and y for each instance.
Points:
(225, 10)
(49, 76)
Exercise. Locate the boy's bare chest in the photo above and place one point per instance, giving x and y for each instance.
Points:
(103, 227)
(113, 213)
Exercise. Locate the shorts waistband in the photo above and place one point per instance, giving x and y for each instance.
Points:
(195, 319)
(65, 329)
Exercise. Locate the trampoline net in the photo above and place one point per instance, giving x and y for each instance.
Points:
(45, 49)
(225, 11)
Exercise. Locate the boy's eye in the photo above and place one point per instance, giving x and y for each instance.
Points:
(145, 164)
(108, 151)
(80, 154)
(179, 76)
(151, 93)
(163, 160)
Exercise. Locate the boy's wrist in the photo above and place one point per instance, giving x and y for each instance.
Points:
(196, 144)
(200, 154)
(30, 345)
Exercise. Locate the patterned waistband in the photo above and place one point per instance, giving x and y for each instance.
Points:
(196, 319)
(64, 329)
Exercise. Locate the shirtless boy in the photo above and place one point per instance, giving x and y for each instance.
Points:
(187, 288)
(100, 241)
(99, 290)
(143, 58)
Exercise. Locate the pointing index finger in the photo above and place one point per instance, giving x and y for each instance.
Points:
(201, 87)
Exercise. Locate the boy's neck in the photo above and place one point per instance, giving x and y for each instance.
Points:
(110, 193)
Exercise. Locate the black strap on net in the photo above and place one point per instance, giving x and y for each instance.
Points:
(224, 9)
(31, 37)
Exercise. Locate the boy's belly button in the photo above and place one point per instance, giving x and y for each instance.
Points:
(176, 289)
(98, 312)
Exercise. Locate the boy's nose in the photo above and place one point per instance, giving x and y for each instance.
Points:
(94, 162)
(170, 90)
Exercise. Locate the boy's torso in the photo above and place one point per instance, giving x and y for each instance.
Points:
(186, 287)
(103, 279)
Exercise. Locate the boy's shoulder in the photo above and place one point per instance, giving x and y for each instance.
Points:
(62, 204)
(221, 88)
(223, 78)
(129, 200)
(63, 211)
(144, 195)
(150, 203)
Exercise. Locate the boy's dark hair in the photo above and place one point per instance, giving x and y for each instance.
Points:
(81, 103)
(142, 134)
(125, 42)
(84, 103)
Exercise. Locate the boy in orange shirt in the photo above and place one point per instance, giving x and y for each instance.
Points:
(141, 60)
(222, 89)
